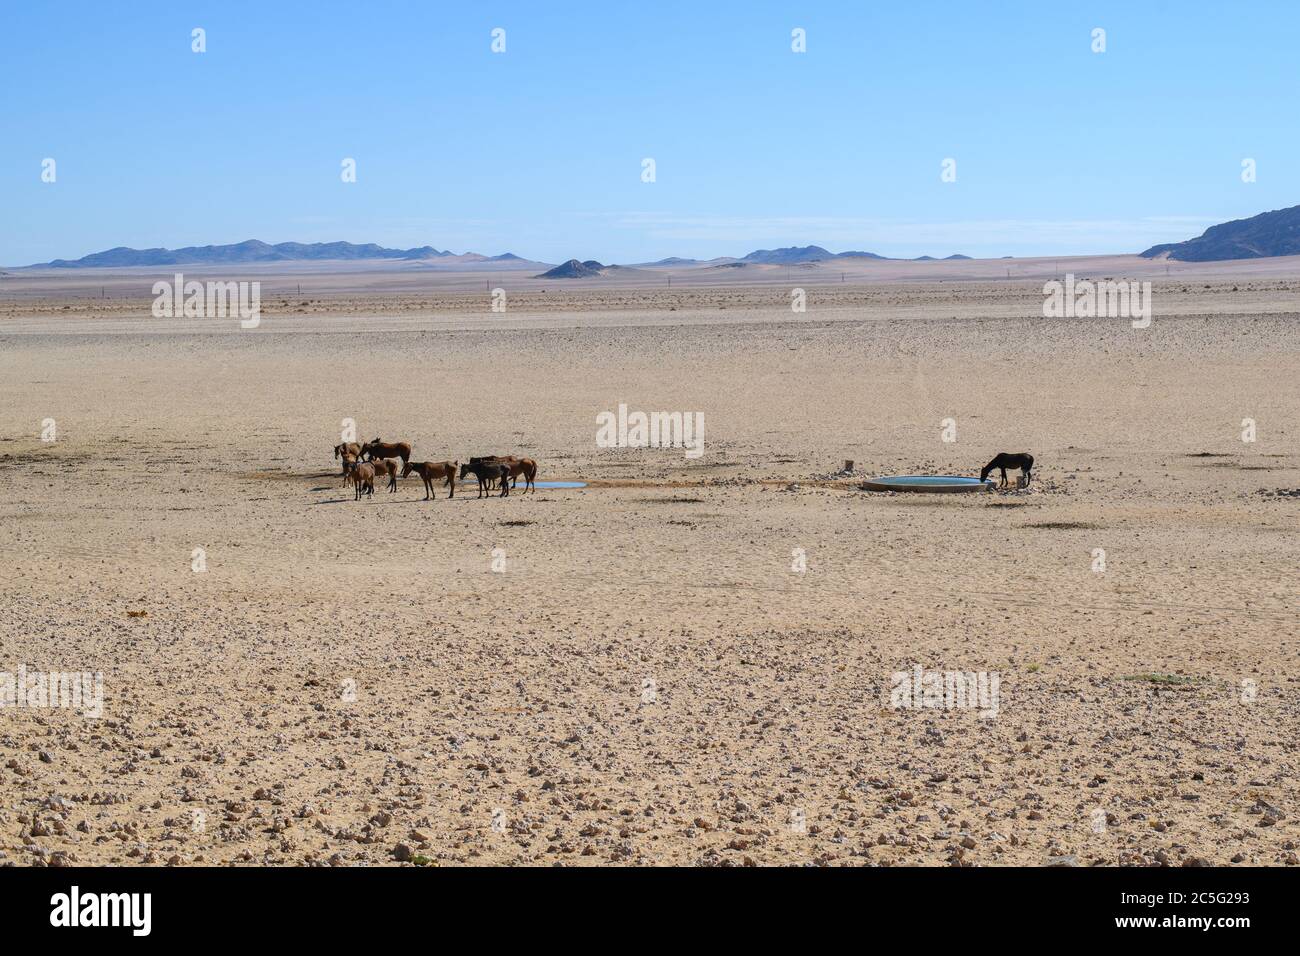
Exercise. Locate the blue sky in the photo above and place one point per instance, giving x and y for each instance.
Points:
(538, 150)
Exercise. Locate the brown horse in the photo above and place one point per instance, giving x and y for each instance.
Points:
(383, 449)
(386, 467)
(350, 452)
(362, 477)
(430, 471)
(522, 466)
(349, 462)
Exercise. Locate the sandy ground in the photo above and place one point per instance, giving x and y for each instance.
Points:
(649, 680)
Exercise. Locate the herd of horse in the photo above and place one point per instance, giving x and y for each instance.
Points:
(366, 461)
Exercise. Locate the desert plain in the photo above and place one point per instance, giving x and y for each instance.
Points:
(687, 662)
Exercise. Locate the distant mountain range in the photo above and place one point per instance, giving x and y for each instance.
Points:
(255, 250)
(786, 256)
(1275, 233)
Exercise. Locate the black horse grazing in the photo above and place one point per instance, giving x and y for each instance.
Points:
(1004, 460)
(486, 471)
(486, 459)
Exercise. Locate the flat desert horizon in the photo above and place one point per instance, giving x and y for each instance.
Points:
(690, 660)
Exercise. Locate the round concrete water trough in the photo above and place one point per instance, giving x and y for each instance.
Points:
(932, 484)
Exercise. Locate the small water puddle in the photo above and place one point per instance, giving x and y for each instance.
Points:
(559, 484)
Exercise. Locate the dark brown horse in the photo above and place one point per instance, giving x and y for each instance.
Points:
(1004, 460)
(383, 449)
(486, 471)
(518, 466)
(492, 459)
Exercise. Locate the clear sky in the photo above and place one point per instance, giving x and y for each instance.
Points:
(538, 150)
